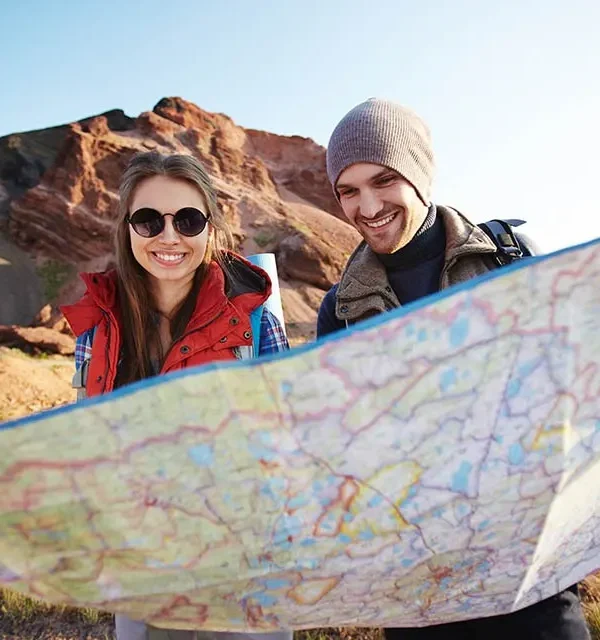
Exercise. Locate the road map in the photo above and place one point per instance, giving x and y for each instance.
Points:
(438, 463)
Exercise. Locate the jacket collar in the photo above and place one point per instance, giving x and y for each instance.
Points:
(364, 289)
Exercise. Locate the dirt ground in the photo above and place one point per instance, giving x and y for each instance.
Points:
(31, 384)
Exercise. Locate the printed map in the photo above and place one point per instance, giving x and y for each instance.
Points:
(436, 464)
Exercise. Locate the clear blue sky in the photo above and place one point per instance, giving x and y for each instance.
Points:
(511, 90)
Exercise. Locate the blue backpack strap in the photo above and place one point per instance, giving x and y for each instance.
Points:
(255, 324)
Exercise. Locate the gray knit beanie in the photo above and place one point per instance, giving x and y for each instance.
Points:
(386, 133)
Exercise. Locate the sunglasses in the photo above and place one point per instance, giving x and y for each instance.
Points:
(149, 223)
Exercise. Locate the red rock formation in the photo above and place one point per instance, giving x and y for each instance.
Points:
(51, 318)
(273, 189)
(37, 340)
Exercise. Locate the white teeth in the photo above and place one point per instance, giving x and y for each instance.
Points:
(380, 223)
(169, 257)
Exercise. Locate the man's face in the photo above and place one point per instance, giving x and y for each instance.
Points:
(381, 204)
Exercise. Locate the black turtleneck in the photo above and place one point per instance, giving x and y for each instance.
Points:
(414, 270)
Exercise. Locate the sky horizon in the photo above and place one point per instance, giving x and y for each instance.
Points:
(511, 93)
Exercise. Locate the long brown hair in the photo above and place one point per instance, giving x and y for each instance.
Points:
(139, 331)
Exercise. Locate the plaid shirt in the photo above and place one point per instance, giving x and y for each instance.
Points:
(272, 339)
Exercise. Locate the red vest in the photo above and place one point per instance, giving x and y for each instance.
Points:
(220, 321)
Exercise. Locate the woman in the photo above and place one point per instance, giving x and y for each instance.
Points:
(178, 298)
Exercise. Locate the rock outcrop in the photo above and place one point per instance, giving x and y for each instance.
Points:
(58, 194)
(37, 340)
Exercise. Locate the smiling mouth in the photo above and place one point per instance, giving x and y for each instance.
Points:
(381, 222)
(168, 258)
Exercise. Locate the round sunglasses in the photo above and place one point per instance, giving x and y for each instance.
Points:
(149, 223)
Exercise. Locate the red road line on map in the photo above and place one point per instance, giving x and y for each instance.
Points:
(347, 492)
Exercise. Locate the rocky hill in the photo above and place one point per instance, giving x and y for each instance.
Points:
(58, 202)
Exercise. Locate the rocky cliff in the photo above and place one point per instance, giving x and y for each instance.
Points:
(58, 196)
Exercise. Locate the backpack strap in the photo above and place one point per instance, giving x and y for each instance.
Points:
(502, 235)
(255, 324)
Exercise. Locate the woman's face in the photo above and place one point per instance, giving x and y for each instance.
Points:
(169, 256)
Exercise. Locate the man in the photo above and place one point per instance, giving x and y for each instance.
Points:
(380, 163)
